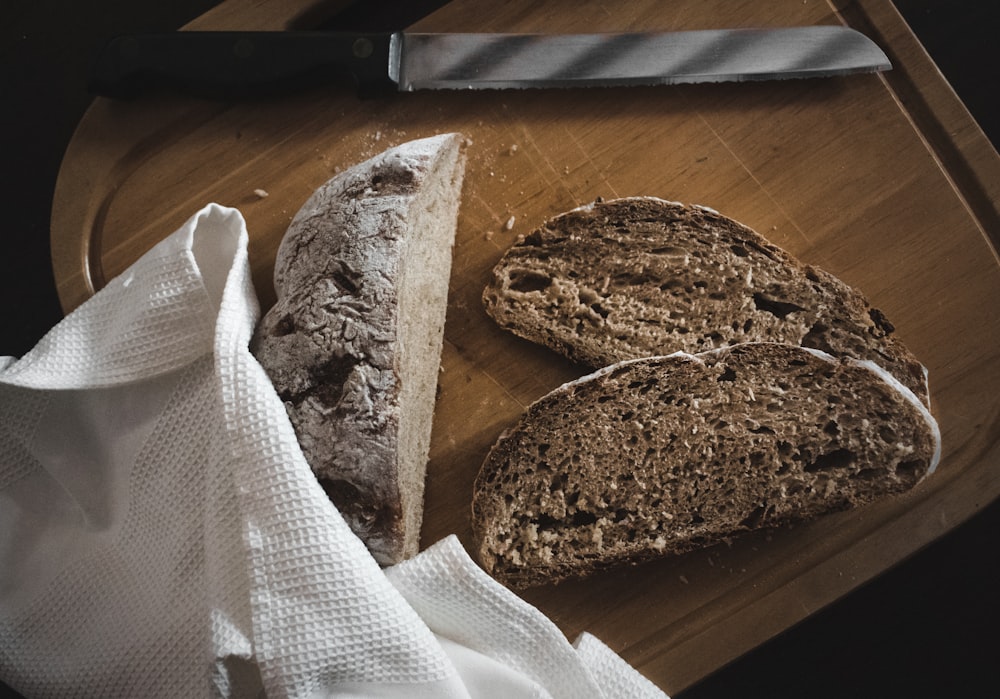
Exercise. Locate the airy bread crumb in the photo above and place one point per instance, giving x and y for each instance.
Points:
(620, 466)
(626, 278)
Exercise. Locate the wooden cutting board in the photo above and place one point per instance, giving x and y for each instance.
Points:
(883, 180)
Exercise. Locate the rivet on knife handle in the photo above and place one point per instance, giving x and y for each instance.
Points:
(242, 64)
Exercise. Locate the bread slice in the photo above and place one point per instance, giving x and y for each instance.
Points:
(353, 343)
(641, 276)
(663, 455)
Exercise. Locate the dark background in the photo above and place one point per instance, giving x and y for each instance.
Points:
(926, 628)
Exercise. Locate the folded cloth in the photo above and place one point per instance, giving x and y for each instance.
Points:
(161, 533)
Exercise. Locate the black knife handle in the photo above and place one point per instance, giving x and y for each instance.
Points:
(224, 65)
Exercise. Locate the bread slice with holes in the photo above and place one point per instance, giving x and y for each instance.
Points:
(663, 455)
(641, 276)
(353, 343)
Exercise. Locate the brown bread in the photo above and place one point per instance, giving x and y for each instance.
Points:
(663, 455)
(353, 344)
(641, 276)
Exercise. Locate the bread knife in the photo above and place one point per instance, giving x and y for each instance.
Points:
(233, 64)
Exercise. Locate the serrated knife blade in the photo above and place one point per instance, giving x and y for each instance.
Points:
(227, 64)
(471, 61)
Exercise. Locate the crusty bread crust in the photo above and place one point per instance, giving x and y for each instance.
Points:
(663, 455)
(641, 276)
(353, 343)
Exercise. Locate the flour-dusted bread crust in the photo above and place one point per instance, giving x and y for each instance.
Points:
(641, 276)
(353, 343)
(663, 455)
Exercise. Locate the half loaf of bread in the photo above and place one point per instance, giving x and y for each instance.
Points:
(641, 276)
(353, 343)
(663, 455)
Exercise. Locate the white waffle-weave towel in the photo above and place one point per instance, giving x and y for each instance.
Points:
(161, 534)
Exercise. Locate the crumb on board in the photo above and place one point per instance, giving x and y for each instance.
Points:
(260, 193)
(509, 225)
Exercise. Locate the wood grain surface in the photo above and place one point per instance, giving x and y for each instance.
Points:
(883, 180)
